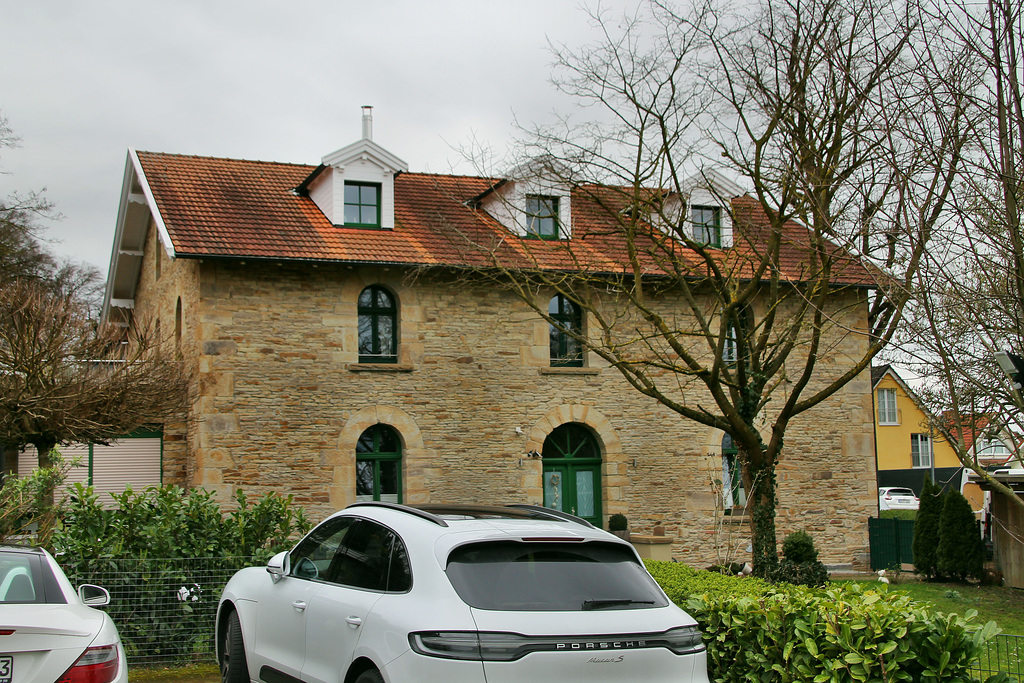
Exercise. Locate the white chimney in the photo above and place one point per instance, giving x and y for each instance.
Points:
(367, 122)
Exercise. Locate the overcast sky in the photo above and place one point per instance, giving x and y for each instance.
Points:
(82, 82)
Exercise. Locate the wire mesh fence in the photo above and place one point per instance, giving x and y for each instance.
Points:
(1005, 653)
(164, 608)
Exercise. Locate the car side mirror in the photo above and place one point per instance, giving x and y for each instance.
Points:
(93, 595)
(277, 566)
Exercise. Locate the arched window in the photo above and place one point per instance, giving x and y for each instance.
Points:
(733, 495)
(572, 472)
(378, 326)
(177, 327)
(565, 351)
(379, 465)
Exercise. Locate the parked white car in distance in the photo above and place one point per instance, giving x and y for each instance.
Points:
(897, 498)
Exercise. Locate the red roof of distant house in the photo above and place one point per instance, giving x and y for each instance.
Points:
(248, 209)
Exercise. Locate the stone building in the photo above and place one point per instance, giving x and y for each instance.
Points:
(339, 355)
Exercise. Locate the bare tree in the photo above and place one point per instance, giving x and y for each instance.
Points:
(969, 293)
(63, 381)
(806, 102)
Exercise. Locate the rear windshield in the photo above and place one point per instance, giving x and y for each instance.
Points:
(546, 576)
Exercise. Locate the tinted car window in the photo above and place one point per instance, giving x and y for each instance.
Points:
(373, 558)
(25, 578)
(511, 575)
(313, 556)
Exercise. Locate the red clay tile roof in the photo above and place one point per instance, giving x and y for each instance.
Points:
(247, 209)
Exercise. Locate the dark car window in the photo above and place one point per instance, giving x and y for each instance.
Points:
(312, 557)
(513, 575)
(372, 557)
(25, 578)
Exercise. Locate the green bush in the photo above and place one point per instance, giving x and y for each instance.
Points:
(799, 547)
(848, 632)
(909, 515)
(800, 565)
(961, 552)
(618, 522)
(926, 530)
(142, 550)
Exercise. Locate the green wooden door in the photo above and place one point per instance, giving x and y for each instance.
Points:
(572, 472)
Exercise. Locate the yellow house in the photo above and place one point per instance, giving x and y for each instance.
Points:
(906, 449)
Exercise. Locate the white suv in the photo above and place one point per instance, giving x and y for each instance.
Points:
(386, 592)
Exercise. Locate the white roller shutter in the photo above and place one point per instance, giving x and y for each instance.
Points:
(134, 462)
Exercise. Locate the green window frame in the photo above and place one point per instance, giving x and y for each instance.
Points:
(542, 217)
(362, 205)
(571, 458)
(734, 496)
(377, 313)
(707, 225)
(566, 315)
(379, 465)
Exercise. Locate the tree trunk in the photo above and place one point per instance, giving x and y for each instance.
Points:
(761, 504)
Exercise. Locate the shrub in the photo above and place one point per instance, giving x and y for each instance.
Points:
(618, 522)
(926, 530)
(800, 563)
(961, 552)
(162, 602)
(909, 515)
(848, 632)
(799, 547)
(27, 503)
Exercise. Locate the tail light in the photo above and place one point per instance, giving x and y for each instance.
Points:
(96, 665)
(508, 647)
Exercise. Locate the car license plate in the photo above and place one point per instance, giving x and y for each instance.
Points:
(6, 668)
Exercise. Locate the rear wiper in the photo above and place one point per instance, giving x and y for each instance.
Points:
(614, 602)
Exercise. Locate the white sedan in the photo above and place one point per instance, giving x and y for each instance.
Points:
(49, 631)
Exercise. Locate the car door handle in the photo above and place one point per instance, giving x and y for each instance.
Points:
(354, 622)
(299, 605)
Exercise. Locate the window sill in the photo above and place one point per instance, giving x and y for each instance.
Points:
(380, 367)
(569, 371)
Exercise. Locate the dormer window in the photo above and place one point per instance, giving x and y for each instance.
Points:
(362, 204)
(707, 225)
(542, 217)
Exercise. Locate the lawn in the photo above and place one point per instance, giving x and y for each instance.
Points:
(1005, 606)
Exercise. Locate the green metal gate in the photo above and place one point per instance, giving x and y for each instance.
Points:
(891, 541)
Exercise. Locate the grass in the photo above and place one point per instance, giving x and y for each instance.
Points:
(1005, 606)
(201, 673)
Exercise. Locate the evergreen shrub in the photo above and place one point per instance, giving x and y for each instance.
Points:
(844, 632)
(961, 552)
(618, 522)
(926, 530)
(800, 563)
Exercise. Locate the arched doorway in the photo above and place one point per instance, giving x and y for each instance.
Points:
(572, 472)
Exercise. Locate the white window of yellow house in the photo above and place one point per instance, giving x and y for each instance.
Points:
(920, 451)
(887, 414)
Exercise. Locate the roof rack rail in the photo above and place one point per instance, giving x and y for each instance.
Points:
(423, 514)
(556, 514)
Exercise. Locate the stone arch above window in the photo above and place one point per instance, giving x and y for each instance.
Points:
(378, 325)
(572, 471)
(379, 464)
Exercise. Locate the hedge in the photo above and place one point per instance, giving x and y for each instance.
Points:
(755, 631)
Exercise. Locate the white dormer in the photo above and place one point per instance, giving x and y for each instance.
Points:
(355, 186)
(703, 208)
(536, 201)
